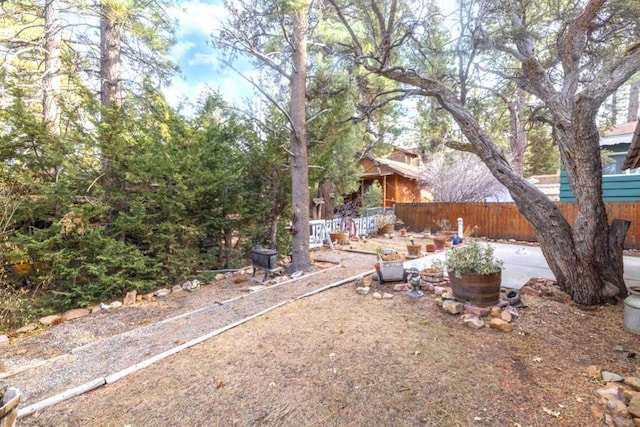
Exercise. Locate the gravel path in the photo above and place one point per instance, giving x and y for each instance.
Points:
(103, 347)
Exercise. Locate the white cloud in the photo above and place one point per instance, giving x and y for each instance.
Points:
(196, 17)
(196, 20)
(182, 91)
(180, 49)
(203, 58)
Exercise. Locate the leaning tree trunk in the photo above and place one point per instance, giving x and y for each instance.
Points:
(300, 260)
(579, 257)
(598, 246)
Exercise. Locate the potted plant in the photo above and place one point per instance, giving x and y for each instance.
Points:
(439, 242)
(475, 274)
(413, 250)
(385, 222)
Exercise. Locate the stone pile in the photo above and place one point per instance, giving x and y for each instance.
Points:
(538, 287)
(499, 317)
(619, 398)
(432, 280)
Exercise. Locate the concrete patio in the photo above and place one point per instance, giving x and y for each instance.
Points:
(524, 262)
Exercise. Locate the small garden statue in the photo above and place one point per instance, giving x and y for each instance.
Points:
(414, 280)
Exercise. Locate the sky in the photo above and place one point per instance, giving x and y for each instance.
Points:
(199, 63)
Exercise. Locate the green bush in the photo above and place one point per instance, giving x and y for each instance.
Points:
(472, 257)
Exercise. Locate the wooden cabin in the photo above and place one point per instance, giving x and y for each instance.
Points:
(400, 180)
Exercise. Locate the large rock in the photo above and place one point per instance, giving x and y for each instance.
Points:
(611, 377)
(4, 340)
(453, 307)
(363, 290)
(611, 392)
(506, 316)
(27, 328)
(500, 325)
(439, 290)
(473, 321)
(630, 394)
(495, 312)
(610, 290)
(633, 382)
(634, 407)
(594, 371)
(76, 313)
(130, 298)
(617, 408)
(52, 319)
(161, 293)
(476, 311)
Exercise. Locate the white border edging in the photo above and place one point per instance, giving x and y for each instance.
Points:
(67, 394)
(91, 385)
(75, 350)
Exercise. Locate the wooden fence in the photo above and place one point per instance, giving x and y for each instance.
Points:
(502, 220)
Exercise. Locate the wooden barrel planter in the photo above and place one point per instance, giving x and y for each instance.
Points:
(481, 290)
(9, 407)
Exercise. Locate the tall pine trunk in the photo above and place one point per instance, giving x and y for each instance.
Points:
(110, 51)
(52, 64)
(300, 260)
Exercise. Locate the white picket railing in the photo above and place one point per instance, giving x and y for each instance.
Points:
(320, 229)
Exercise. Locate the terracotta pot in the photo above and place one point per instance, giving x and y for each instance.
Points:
(439, 242)
(431, 247)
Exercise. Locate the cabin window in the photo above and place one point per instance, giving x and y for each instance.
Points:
(614, 165)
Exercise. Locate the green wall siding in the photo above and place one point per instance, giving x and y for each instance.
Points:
(618, 188)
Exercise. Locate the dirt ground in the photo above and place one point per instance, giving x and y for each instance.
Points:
(343, 359)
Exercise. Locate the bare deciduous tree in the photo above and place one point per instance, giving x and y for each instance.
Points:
(459, 177)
